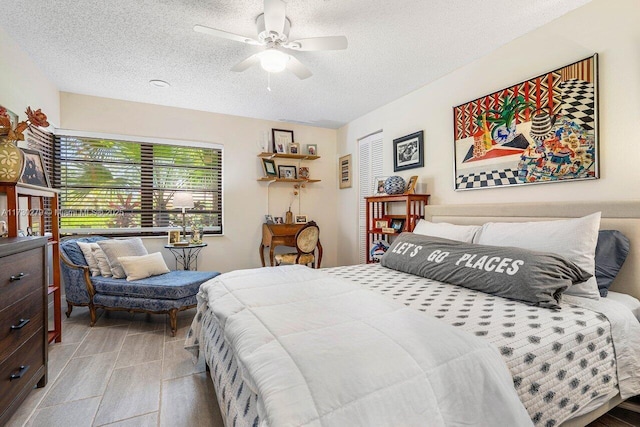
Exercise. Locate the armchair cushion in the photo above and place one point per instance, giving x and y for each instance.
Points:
(73, 252)
(115, 248)
(87, 251)
(139, 267)
(290, 258)
(173, 285)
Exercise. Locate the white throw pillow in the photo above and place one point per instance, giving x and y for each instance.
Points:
(139, 267)
(101, 259)
(116, 248)
(86, 249)
(575, 239)
(461, 233)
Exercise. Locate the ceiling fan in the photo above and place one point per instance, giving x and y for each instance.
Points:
(273, 33)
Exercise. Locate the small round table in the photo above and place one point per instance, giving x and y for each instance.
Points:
(186, 255)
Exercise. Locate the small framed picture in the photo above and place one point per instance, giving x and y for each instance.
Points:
(294, 148)
(281, 139)
(173, 236)
(278, 220)
(344, 170)
(301, 219)
(411, 186)
(287, 172)
(34, 172)
(380, 223)
(269, 167)
(268, 219)
(312, 149)
(303, 172)
(397, 224)
(378, 185)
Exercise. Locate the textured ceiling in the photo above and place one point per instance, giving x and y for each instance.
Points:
(113, 48)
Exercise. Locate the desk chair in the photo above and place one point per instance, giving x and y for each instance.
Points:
(306, 242)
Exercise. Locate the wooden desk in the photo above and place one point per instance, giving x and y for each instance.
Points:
(282, 235)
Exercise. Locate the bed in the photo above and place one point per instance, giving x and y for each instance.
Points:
(566, 366)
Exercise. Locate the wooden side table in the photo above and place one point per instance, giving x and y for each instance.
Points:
(186, 256)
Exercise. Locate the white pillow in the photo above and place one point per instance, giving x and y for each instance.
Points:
(461, 233)
(103, 263)
(139, 267)
(116, 248)
(86, 249)
(575, 239)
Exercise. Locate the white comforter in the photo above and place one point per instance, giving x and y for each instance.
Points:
(321, 351)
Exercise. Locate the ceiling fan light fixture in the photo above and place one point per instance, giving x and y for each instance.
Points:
(159, 83)
(273, 61)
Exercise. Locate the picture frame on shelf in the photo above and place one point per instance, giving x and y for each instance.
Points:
(408, 152)
(173, 236)
(303, 172)
(380, 223)
(294, 148)
(287, 172)
(34, 172)
(378, 185)
(311, 149)
(281, 140)
(268, 219)
(269, 167)
(397, 224)
(300, 219)
(344, 169)
(278, 220)
(411, 186)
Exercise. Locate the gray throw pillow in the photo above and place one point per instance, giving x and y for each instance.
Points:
(115, 248)
(611, 252)
(536, 278)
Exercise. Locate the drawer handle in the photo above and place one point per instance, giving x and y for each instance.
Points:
(22, 324)
(16, 277)
(23, 370)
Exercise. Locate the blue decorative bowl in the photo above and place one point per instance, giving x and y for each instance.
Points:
(394, 185)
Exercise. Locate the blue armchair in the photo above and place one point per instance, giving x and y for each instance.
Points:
(164, 294)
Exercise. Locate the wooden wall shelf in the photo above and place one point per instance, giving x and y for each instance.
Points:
(274, 179)
(288, 156)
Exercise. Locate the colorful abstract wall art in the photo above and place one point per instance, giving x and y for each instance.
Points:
(542, 130)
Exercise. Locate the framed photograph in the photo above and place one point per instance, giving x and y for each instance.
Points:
(378, 185)
(408, 152)
(344, 169)
(294, 148)
(268, 219)
(303, 172)
(278, 220)
(541, 130)
(269, 167)
(397, 224)
(301, 219)
(173, 236)
(380, 223)
(281, 139)
(411, 186)
(34, 172)
(287, 172)
(312, 149)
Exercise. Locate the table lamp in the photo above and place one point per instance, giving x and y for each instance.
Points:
(183, 200)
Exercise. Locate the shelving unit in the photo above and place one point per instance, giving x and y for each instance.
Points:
(378, 207)
(38, 194)
(298, 157)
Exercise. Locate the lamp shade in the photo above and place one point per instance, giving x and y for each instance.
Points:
(183, 199)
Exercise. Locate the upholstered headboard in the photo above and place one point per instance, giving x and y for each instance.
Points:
(617, 215)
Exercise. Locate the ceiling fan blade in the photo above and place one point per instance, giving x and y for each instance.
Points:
(226, 35)
(318, 43)
(298, 68)
(274, 15)
(250, 61)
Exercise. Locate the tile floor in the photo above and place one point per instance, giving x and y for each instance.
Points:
(125, 371)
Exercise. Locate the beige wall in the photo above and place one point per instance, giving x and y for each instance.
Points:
(609, 28)
(245, 199)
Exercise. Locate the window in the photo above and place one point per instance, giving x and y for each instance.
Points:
(121, 187)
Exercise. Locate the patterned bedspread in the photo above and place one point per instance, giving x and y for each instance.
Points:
(559, 360)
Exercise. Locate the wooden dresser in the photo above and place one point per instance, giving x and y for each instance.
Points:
(23, 320)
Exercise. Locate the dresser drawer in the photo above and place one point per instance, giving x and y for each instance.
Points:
(30, 354)
(29, 312)
(29, 263)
